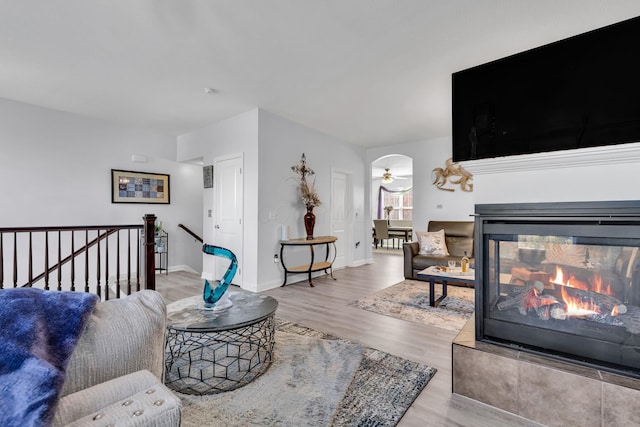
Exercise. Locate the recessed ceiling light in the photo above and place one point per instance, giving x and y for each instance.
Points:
(209, 91)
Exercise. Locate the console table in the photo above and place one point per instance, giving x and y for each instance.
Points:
(312, 266)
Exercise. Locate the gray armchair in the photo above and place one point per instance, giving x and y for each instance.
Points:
(115, 374)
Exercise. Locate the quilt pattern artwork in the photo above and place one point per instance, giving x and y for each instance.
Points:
(139, 187)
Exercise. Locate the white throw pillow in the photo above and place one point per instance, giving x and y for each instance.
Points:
(432, 243)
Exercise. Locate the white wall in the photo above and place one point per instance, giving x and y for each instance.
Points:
(55, 169)
(429, 202)
(590, 174)
(282, 142)
(271, 145)
(235, 135)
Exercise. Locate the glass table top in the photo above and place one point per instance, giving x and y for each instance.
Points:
(247, 308)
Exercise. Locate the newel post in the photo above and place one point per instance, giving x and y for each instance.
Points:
(149, 250)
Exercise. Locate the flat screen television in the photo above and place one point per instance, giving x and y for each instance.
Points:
(579, 92)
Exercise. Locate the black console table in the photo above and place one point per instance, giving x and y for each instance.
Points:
(313, 266)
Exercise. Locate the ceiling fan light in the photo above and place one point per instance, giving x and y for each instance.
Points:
(387, 178)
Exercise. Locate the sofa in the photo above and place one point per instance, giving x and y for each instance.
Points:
(458, 237)
(115, 374)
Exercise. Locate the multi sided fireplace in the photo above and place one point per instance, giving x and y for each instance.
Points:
(562, 279)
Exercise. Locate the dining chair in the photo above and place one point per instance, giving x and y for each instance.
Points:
(380, 232)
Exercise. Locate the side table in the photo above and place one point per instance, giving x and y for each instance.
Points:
(210, 351)
(432, 274)
(162, 251)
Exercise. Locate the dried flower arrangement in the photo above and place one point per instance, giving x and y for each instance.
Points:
(307, 189)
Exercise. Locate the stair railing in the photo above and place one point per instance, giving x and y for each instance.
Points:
(104, 259)
(191, 233)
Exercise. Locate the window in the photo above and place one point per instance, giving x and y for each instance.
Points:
(400, 201)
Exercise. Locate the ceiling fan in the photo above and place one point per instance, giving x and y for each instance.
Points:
(387, 178)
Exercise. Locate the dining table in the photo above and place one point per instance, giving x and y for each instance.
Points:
(405, 232)
(395, 232)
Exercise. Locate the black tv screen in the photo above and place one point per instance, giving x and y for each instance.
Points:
(583, 91)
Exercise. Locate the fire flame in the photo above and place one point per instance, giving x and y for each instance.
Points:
(598, 286)
(576, 307)
(571, 281)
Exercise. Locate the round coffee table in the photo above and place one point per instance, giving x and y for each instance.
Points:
(211, 351)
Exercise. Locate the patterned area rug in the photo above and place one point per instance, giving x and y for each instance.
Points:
(316, 379)
(409, 300)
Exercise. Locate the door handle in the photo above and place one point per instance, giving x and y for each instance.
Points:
(216, 226)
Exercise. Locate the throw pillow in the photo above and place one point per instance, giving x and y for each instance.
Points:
(432, 243)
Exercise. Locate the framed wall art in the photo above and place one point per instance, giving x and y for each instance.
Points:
(207, 176)
(139, 187)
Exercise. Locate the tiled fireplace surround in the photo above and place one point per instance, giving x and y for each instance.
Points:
(542, 389)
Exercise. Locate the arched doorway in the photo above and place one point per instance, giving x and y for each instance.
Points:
(392, 195)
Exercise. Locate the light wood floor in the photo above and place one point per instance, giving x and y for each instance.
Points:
(324, 307)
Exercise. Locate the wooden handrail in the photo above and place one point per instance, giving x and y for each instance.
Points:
(191, 233)
(31, 247)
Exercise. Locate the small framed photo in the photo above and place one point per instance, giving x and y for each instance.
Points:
(207, 176)
(139, 187)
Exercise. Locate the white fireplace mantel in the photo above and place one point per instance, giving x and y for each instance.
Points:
(612, 154)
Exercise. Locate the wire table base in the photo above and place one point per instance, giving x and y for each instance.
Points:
(213, 362)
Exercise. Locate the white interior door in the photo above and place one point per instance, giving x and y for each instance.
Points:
(340, 219)
(228, 230)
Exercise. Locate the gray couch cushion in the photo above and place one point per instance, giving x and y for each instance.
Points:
(122, 336)
(458, 235)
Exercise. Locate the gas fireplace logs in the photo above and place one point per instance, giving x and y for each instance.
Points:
(529, 298)
(571, 303)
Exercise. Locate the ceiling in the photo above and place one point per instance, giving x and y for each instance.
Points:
(370, 72)
(397, 164)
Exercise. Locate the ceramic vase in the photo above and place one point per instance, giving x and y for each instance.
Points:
(309, 222)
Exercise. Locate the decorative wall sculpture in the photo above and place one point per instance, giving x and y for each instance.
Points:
(454, 174)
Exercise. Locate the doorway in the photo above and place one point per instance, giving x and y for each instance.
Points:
(341, 218)
(228, 208)
(392, 200)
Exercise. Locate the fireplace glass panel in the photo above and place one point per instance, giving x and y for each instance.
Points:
(567, 290)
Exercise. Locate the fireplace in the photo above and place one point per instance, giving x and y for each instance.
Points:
(562, 280)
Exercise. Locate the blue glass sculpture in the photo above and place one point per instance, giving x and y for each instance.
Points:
(213, 292)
